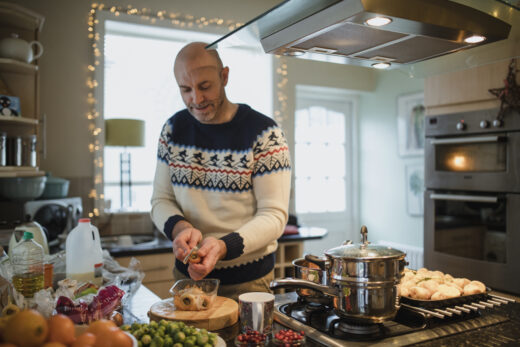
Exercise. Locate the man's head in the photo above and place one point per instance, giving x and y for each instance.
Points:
(201, 79)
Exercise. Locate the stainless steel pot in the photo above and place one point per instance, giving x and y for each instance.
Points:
(303, 270)
(362, 280)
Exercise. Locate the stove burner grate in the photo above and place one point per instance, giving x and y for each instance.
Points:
(357, 328)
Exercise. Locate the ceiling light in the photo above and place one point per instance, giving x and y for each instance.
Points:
(474, 39)
(293, 53)
(378, 21)
(381, 65)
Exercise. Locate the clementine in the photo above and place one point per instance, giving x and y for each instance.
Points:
(26, 328)
(61, 329)
(99, 326)
(105, 336)
(53, 344)
(121, 339)
(85, 340)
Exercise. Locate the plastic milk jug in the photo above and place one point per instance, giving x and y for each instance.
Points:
(83, 254)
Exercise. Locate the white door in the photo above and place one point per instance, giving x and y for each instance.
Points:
(325, 166)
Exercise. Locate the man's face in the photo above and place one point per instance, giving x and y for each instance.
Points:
(202, 90)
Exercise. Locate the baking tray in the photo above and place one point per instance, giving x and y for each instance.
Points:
(459, 300)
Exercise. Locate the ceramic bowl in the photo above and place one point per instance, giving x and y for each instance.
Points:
(22, 188)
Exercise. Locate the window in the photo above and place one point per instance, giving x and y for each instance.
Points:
(138, 82)
(325, 193)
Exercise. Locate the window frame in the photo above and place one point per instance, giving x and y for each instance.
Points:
(98, 93)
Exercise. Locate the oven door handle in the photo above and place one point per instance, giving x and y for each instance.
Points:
(473, 139)
(472, 198)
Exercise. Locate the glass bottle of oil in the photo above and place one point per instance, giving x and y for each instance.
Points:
(27, 262)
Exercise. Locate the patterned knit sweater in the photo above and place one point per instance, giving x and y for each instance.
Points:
(231, 181)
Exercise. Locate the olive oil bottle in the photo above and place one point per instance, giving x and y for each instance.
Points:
(27, 262)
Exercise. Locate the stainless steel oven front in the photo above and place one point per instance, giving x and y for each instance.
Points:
(473, 151)
(472, 197)
(474, 235)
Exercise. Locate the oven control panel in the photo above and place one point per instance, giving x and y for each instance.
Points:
(474, 122)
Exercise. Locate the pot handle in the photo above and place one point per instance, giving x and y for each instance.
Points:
(298, 283)
(321, 262)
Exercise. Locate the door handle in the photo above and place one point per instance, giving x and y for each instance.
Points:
(473, 139)
(457, 197)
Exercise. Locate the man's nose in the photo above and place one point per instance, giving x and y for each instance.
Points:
(197, 96)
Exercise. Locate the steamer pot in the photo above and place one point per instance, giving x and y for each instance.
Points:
(362, 280)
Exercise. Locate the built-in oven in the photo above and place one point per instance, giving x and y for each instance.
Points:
(474, 235)
(472, 197)
(473, 151)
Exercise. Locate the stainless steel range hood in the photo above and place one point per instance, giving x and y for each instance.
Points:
(418, 29)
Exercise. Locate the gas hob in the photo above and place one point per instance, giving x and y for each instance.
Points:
(323, 327)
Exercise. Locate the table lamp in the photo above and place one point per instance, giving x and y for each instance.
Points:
(125, 133)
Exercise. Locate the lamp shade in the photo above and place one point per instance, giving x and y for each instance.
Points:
(124, 132)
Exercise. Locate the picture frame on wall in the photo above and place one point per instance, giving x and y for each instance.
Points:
(415, 189)
(410, 124)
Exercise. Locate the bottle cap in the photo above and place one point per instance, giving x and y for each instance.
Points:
(27, 235)
(84, 220)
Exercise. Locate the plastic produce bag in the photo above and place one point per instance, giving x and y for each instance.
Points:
(128, 278)
(91, 307)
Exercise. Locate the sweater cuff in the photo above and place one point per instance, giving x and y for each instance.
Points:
(234, 244)
(170, 223)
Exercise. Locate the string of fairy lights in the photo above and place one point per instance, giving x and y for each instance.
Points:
(149, 16)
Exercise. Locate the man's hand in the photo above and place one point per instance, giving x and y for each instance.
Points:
(185, 241)
(211, 250)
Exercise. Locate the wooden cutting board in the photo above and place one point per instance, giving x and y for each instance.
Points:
(222, 313)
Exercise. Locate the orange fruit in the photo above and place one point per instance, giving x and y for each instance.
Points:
(99, 326)
(53, 344)
(85, 340)
(120, 339)
(105, 336)
(26, 328)
(61, 329)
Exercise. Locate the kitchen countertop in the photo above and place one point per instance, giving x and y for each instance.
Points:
(162, 245)
(502, 334)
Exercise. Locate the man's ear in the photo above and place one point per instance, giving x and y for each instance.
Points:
(224, 74)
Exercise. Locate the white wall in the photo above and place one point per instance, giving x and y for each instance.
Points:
(382, 171)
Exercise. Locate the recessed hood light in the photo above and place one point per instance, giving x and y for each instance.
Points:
(378, 21)
(474, 39)
(381, 65)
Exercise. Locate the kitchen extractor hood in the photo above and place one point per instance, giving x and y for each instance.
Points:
(415, 30)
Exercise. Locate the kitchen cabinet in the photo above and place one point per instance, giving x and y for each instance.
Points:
(158, 271)
(465, 90)
(21, 80)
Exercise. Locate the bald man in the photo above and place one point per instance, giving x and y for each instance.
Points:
(222, 180)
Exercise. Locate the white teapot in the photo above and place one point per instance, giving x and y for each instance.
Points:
(18, 49)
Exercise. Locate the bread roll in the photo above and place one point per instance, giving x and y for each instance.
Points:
(420, 293)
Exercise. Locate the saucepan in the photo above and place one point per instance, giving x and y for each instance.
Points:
(362, 280)
(307, 270)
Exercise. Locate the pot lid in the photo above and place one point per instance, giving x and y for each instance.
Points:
(364, 250)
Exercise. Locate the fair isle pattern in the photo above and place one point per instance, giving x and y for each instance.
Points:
(225, 170)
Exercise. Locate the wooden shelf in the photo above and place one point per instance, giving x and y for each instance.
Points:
(20, 171)
(19, 17)
(18, 120)
(15, 66)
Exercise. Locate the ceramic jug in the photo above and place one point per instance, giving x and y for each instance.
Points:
(18, 49)
(38, 233)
